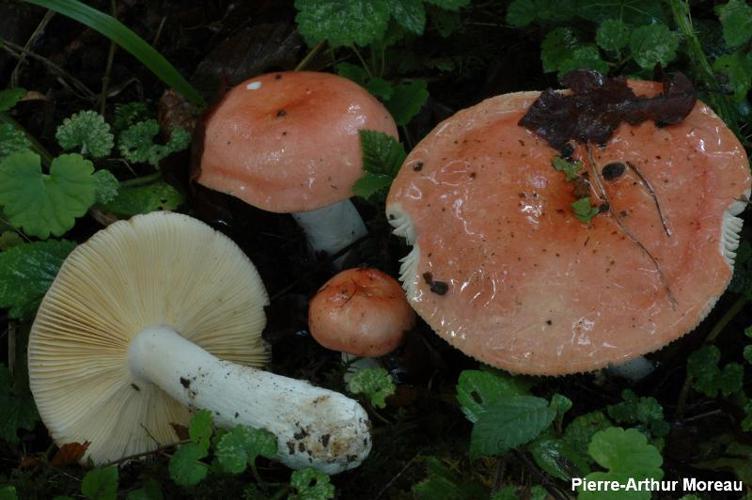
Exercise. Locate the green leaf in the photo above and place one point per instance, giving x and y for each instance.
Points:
(557, 47)
(46, 204)
(201, 428)
(626, 454)
(17, 408)
(129, 114)
(738, 69)
(342, 22)
(382, 158)
(27, 271)
(10, 239)
(653, 44)
(10, 97)
(708, 378)
(380, 88)
(353, 72)
(371, 184)
(374, 383)
(136, 143)
(443, 484)
(406, 101)
(107, 186)
(241, 445)
(612, 35)
(640, 410)
(101, 484)
(476, 390)
(8, 492)
(509, 423)
(310, 484)
(127, 39)
(452, 5)
(521, 13)
(571, 169)
(144, 199)
(580, 431)
(736, 19)
(560, 404)
(558, 458)
(747, 353)
(583, 210)
(12, 140)
(88, 131)
(585, 57)
(150, 491)
(410, 14)
(634, 12)
(186, 467)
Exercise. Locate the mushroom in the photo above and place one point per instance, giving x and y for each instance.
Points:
(161, 315)
(503, 270)
(361, 312)
(288, 143)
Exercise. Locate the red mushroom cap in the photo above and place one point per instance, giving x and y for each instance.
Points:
(517, 281)
(288, 142)
(360, 311)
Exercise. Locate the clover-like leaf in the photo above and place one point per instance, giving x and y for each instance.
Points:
(374, 383)
(136, 143)
(310, 484)
(43, 204)
(653, 44)
(186, 467)
(88, 131)
(100, 484)
(612, 35)
(241, 445)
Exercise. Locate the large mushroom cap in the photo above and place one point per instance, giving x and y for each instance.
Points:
(288, 142)
(156, 269)
(517, 281)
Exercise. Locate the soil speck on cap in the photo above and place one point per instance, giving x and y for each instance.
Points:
(185, 382)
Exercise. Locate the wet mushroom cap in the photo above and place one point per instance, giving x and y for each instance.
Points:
(288, 142)
(361, 312)
(503, 270)
(155, 269)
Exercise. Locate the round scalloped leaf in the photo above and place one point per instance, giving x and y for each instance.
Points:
(42, 204)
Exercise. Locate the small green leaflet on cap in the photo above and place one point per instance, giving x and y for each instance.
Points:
(136, 143)
(87, 131)
(376, 384)
(382, 158)
(43, 204)
(310, 484)
(584, 210)
(571, 169)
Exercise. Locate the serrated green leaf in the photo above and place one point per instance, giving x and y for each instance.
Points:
(46, 204)
(451, 5)
(107, 186)
(8, 492)
(10, 97)
(342, 22)
(410, 14)
(382, 158)
(612, 35)
(353, 72)
(144, 199)
(635, 12)
(736, 19)
(557, 47)
(407, 100)
(640, 410)
(17, 409)
(242, 445)
(129, 114)
(310, 484)
(584, 210)
(380, 88)
(12, 140)
(27, 271)
(201, 428)
(509, 423)
(374, 383)
(584, 57)
(87, 131)
(580, 431)
(571, 169)
(186, 467)
(371, 184)
(100, 484)
(476, 390)
(653, 44)
(738, 69)
(626, 454)
(708, 378)
(136, 143)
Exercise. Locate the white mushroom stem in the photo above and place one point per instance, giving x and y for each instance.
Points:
(332, 228)
(315, 427)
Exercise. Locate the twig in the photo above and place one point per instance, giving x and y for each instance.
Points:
(604, 196)
(396, 476)
(650, 190)
(159, 449)
(33, 38)
(308, 57)
(140, 181)
(108, 66)
(11, 347)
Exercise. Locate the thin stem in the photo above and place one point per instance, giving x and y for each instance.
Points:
(309, 57)
(650, 190)
(108, 66)
(362, 61)
(35, 145)
(140, 181)
(37, 32)
(146, 453)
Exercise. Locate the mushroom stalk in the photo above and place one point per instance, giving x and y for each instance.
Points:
(332, 228)
(315, 427)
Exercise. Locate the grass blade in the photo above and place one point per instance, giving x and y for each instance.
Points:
(127, 39)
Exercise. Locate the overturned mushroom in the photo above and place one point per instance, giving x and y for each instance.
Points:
(288, 143)
(157, 316)
(502, 269)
